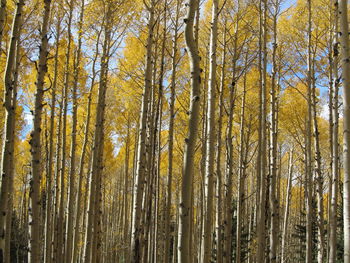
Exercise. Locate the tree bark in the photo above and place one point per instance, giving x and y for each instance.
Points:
(344, 40)
(219, 217)
(334, 134)
(136, 245)
(190, 141)
(287, 207)
(210, 155)
(35, 142)
(71, 194)
(92, 238)
(308, 181)
(48, 215)
(9, 127)
(262, 153)
(274, 202)
(76, 233)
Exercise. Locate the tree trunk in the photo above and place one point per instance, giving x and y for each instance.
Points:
(287, 207)
(319, 177)
(76, 234)
(71, 193)
(308, 181)
(344, 40)
(61, 215)
(190, 141)
(262, 154)
(9, 200)
(334, 123)
(35, 142)
(241, 179)
(9, 127)
(274, 202)
(92, 238)
(48, 216)
(136, 245)
(210, 155)
(219, 223)
(168, 234)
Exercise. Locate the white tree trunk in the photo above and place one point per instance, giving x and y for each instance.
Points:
(35, 142)
(334, 119)
(210, 154)
(344, 40)
(136, 229)
(190, 142)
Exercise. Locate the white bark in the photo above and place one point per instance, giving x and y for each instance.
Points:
(210, 155)
(35, 142)
(190, 141)
(345, 54)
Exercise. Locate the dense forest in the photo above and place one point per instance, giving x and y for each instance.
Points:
(175, 131)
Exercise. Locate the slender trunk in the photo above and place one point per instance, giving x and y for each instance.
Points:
(274, 202)
(76, 233)
(48, 216)
(287, 207)
(219, 223)
(61, 214)
(190, 141)
(344, 40)
(126, 190)
(9, 127)
(210, 155)
(319, 177)
(168, 235)
(92, 238)
(262, 154)
(12, 169)
(35, 142)
(229, 156)
(241, 179)
(71, 191)
(136, 244)
(57, 183)
(308, 181)
(334, 120)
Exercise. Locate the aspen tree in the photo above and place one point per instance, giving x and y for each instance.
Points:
(241, 177)
(345, 54)
(136, 245)
(10, 194)
(92, 238)
(308, 148)
(49, 201)
(9, 127)
(190, 141)
(287, 207)
(126, 189)
(158, 132)
(171, 133)
(67, 79)
(334, 123)
(219, 218)
(76, 233)
(318, 174)
(71, 191)
(210, 155)
(261, 227)
(273, 144)
(229, 152)
(57, 183)
(35, 142)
